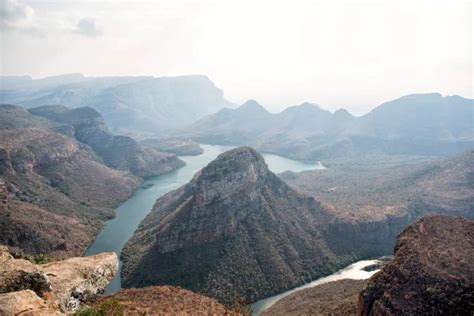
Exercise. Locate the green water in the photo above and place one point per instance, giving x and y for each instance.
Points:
(117, 231)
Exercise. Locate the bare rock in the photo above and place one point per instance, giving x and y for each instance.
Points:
(25, 302)
(65, 284)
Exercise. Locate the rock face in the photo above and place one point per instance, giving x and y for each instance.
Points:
(166, 301)
(333, 298)
(235, 231)
(119, 152)
(58, 286)
(432, 273)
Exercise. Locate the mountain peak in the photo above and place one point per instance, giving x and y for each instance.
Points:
(236, 170)
(252, 106)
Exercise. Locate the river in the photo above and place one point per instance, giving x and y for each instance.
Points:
(130, 213)
(353, 271)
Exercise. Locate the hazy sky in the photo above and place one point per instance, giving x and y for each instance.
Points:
(352, 54)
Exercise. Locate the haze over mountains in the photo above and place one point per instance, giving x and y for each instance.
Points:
(420, 124)
(131, 105)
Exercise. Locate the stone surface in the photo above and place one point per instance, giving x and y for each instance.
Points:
(65, 284)
(25, 302)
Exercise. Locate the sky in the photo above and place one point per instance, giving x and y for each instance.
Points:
(336, 53)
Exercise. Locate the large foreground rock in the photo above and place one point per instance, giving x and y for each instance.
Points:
(432, 273)
(63, 285)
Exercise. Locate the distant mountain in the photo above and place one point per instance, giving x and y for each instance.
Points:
(420, 124)
(119, 152)
(133, 105)
(235, 231)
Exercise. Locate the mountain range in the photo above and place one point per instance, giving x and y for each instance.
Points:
(130, 105)
(419, 124)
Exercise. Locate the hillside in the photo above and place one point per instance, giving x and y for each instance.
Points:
(362, 193)
(56, 194)
(119, 152)
(56, 189)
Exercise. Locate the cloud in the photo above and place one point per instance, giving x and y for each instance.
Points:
(18, 16)
(87, 27)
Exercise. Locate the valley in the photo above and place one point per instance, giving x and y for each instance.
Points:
(129, 214)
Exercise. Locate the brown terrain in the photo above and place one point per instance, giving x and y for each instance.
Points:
(56, 191)
(333, 298)
(166, 301)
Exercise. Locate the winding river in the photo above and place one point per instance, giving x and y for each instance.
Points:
(353, 271)
(130, 213)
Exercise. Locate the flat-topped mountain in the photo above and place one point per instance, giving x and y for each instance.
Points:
(130, 105)
(234, 231)
(432, 273)
(120, 152)
(419, 124)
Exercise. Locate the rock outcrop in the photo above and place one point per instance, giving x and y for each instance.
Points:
(234, 231)
(432, 273)
(61, 286)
